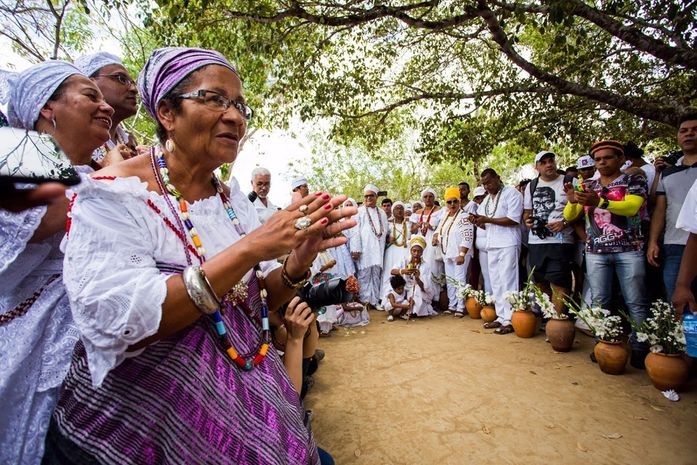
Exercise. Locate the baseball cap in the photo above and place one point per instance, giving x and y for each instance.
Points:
(543, 154)
(585, 162)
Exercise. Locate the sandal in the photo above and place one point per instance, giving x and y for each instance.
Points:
(492, 325)
(504, 330)
(459, 314)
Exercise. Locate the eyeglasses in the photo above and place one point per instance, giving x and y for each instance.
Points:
(219, 102)
(452, 202)
(120, 78)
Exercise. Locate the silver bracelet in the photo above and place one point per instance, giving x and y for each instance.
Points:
(200, 290)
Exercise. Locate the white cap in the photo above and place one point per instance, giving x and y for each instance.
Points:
(428, 190)
(297, 182)
(479, 191)
(542, 154)
(585, 161)
(371, 188)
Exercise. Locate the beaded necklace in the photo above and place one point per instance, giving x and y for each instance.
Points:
(444, 239)
(404, 233)
(245, 362)
(372, 225)
(428, 220)
(496, 205)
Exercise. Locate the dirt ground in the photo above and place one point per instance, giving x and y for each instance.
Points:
(445, 391)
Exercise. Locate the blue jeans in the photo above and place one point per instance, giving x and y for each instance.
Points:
(672, 255)
(630, 271)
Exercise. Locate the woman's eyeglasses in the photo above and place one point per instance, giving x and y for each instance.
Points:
(219, 102)
(452, 202)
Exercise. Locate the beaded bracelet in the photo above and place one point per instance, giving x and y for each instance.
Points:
(289, 283)
(200, 290)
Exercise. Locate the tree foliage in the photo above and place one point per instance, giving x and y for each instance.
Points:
(466, 75)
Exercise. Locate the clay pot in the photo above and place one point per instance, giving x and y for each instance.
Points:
(473, 308)
(443, 302)
(666, 371)
(612, 357)
(561, 334)
(488, 313)
(524, 323)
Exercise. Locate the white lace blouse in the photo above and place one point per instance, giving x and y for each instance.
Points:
(114, 245)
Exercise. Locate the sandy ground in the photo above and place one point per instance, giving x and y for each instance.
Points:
(446, 391)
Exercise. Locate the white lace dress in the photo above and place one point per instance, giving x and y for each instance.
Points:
(36, 346)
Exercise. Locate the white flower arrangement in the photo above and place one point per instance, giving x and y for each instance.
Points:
(520, 301)
(438, 279)
(464, 292)
(483, 298)
(662, 331)
(604, 326)
(546, 305)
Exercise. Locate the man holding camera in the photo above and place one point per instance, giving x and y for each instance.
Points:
(673, 185)
(261, 185)
(551, 240)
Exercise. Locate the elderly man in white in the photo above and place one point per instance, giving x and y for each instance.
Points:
(261, 185)
(500, 215)
(368, 246)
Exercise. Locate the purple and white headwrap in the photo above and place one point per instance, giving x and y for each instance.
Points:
(168, 66)
(30, 89)
(90, 64)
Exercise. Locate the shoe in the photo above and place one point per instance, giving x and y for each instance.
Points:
(447, 312)
(637, 359)
(492, 325)
(319, 355)
(506, 329)
(404, 317)
(459, 314)
(379, 308)
(390, 318)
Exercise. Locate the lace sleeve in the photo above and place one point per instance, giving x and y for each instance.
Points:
(16, 229)
(115, 290)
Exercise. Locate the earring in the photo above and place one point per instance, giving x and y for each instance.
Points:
(53, 121)
(169, 145)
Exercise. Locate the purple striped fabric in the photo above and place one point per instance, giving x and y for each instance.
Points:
(183, 401)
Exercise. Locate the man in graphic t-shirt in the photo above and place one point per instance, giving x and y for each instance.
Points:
(550, 241)
(614, 241)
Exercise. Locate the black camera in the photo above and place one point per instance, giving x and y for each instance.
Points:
(333, 292)
(672, 157)
(540, 229)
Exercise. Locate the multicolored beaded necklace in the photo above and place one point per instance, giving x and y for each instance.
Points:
(372, 225)
(245, 362)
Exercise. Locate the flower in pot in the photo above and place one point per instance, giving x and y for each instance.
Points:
(471, 297)
(560, 329)
(665, 364)
(486, 302)
(523, 319)
(611, 355)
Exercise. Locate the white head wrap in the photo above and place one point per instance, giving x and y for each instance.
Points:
(371, 188)
(417, 204)
(90, 64)
(479, 191)
(353, 202)
(30, 90)
(428, 190)
(297, 182)
(397, 204)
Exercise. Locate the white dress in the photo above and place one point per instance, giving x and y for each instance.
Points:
(422, 299)
(36, 346)
(395, 253)
(431, 254)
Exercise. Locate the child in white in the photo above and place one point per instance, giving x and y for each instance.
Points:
(398, 302)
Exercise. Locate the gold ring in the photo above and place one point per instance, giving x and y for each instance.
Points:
(303, 209)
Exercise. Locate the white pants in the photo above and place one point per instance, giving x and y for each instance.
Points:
(370, 281)
(459, 274)
(484, 265)
(503, 265)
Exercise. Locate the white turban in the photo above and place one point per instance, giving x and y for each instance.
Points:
(297, 182)
(30, 90)
(417, 204)
(90, 64)
(350, 200)
(371, 188)
(428, 190)
(397, 204)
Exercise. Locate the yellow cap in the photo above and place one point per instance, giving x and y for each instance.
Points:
(452, 193)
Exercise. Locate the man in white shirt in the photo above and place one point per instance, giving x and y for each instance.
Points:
(261, 185)
(500, 214)
(368, 246)
(550, 240)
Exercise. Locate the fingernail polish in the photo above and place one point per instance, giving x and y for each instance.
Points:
(325, 197)
(324, 221)
(317, 194)
(328, 206)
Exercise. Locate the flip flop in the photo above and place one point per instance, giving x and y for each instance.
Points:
(492, 325)
(504, 330)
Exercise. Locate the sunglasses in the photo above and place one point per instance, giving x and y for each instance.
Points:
(452, 202)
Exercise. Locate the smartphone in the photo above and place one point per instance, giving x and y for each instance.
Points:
(30, 157)
(382, 194)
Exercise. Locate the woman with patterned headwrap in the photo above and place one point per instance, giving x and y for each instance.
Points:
(37, 334)
(171, 280)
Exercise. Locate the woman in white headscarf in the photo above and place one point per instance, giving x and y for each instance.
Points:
(37, 333)
(424, 221)
(397, 246)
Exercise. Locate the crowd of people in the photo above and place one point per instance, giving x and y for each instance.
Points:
(151, 313)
